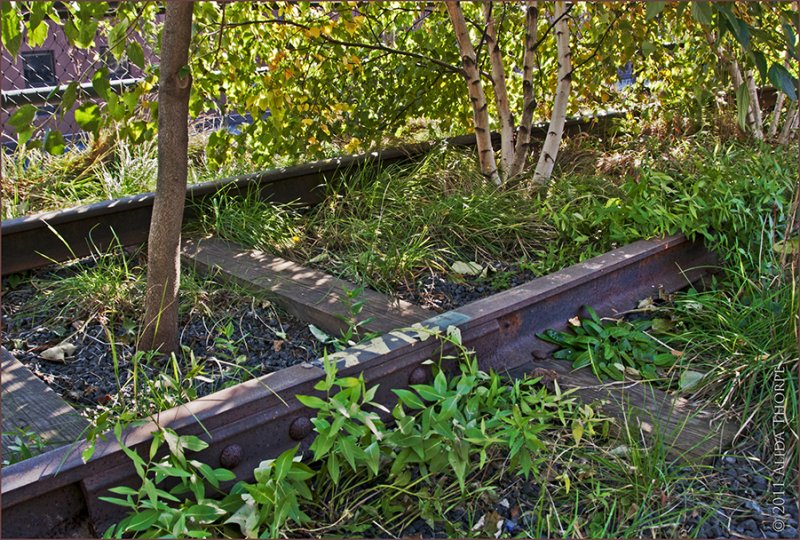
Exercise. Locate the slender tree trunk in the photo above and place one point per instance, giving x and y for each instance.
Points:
(522, 148)
(776, 116)
(552, 142)
(480, 107)
(500, 91)
(755, 106)
(160, 325)
(735, 73)
(788, 125)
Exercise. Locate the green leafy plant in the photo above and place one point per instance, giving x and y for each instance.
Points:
(352, 334)
(23, 445)
(610, 349)
(159, 512)
(360, 471)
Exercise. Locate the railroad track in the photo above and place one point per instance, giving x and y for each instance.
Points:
(78, 232)
(56, 494)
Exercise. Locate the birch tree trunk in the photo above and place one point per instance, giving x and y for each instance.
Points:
(480, 108)
(735, 73)
(160, 325)
(552, 142)
(500, 91)
(776, 116)
(788, 125)
(755, 106)
(522, 148)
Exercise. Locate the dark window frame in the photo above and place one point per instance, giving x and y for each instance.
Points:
(33, 77)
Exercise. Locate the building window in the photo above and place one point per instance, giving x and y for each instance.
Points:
(39, 69)
(116, 70)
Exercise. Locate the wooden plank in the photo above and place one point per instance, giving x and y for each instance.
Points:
(305, 293)
(686, 428)
(28, 403)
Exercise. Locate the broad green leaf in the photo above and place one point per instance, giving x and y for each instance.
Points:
(283, 464)
(69, 96)
(37, 35)
(116, 38)
(410, 399)
(577, 431)
(135, 53)
(312, 402)
(653, 8)
(703, 13)
(783, 80)
(88, 117)
(101, 83)
(205, 513)
(23, 117)
(742, 105)
(123, 490)
(54, 142)
(192, 443)
(141, 520)
(739, 28)
(373, 454)
(11, 27)
(786, 247)
(761, 64)
(791, 38)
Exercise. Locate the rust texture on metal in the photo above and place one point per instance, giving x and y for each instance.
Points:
(263, 417)
(34, 241)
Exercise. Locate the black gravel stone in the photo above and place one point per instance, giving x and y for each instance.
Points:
(260, 344)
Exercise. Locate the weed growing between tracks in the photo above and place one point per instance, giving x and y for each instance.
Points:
(470, 454)
(449, 444)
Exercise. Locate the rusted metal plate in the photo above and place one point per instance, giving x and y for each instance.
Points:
(263, 418)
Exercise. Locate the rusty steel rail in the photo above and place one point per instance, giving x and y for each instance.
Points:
(55, 492)
(34, 241)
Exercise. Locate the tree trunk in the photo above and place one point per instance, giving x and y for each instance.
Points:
(500, 91)
(776, 116)
(755, 106)
(480, 108)
(160, 325)
(552, 142)
(735, 73)
(522, 148)
(788, 125)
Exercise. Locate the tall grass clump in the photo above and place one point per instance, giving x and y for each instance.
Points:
(251, 221)
(35, 181)
(386, 225)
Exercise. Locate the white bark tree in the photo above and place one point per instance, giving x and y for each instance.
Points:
(515, 146)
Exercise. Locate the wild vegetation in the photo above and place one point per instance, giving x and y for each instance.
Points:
(704, 149)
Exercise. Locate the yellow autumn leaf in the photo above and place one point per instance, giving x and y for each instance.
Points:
(306, 121)
(577, 431)
(324, 128)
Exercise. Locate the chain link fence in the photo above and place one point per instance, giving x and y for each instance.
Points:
(39, 76)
